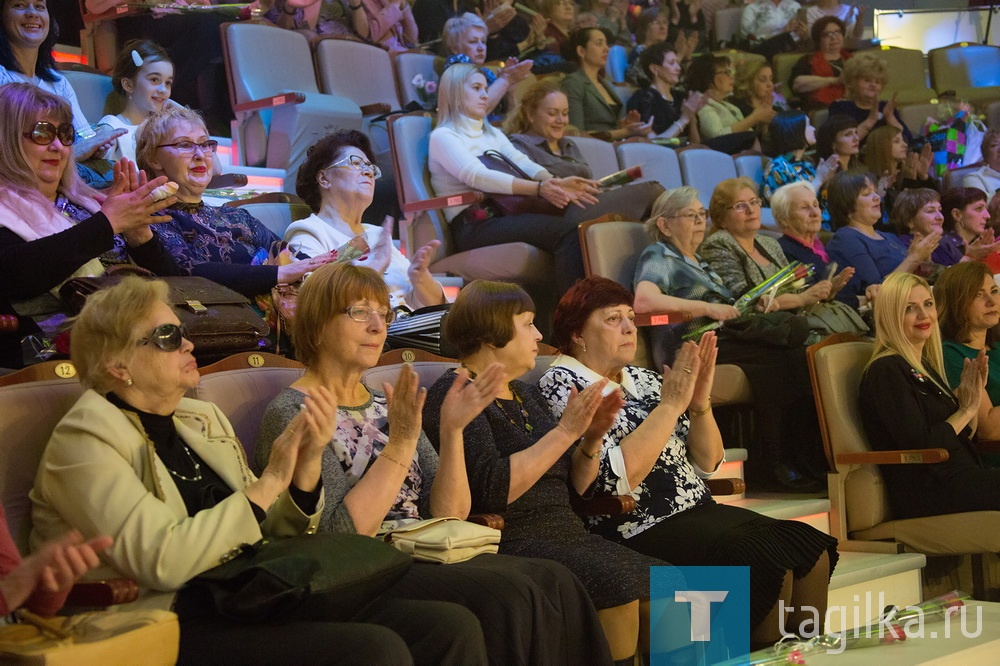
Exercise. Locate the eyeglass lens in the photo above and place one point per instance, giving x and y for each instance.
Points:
(44, 133)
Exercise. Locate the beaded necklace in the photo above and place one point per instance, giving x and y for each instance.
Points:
(194, 463)
(517, 399)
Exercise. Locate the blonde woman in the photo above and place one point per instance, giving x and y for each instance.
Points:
(906, 403)
(864, 77)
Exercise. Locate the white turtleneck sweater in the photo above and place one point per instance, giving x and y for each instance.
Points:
(454, 161)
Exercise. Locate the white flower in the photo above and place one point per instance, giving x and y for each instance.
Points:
(418, 81)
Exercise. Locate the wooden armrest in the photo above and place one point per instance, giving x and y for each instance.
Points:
(434, 203)
(269, 102)
(988, 446)
(722, 487)
(603, 505)
(101, 593)
(228, 180)
(494, 520)
(118, 11)
(376, 109)
(661, 318)
(904, 457)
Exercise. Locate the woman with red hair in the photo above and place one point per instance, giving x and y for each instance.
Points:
(662, 446)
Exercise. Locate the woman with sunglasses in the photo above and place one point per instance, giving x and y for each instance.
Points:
(380, 472)
(52, 226)
(227, 245)
(338, 182)
(166, 477)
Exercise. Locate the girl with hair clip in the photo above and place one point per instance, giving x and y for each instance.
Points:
(142, 78)
(906, 403)
(791, 134)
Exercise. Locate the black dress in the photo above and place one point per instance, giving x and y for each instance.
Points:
(902, 408)
(540, 523)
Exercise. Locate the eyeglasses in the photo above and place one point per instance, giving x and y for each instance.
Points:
(168, 337)
(44, 133)
(357, 163)
(832, 33)
(744, 206)
(693, 215)
(364, 314)
(187, 148)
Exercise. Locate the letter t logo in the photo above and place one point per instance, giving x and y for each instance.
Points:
(701, 610)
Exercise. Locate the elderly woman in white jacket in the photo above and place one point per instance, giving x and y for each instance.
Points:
(460, 139)
(338, 182)
(165, 476)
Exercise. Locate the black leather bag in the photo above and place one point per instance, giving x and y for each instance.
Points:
(514, 204)
(309, 577)
(220, 321)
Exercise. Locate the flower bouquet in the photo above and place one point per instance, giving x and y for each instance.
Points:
(426, 91)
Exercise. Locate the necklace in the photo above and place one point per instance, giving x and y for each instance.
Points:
(194, 463)
(517, 399)
(520, 406)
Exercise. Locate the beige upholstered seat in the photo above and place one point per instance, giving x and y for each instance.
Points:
(703, 169)
(658, 163)
(29, 413)
(859, 504)
(276, 211)
(598, 154)
(907, 77)
(92, 90)
(406, 65)
(519, 262)
(964, 66)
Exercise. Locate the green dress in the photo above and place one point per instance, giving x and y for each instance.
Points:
(955, 354)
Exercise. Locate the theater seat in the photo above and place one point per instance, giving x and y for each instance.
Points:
(860, 516)
(658, 163)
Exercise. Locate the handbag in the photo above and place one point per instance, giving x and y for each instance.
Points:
(515, 204)
(102, 637)
(776, 329)
(219, 321)
(308, 577)
(829, 317)
(444, 540)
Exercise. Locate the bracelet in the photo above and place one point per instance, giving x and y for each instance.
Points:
(388, 457)
(700, 412)
(539, 192)
(592, 456)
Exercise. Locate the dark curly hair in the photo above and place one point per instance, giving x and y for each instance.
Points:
(826, 134)
(819, 27)
(654, 55)
(577, 304)
(45, 67)
(323, 153)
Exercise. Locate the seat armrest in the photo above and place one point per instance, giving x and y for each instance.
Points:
(376, 109)
(494, 520)
(901, 457)
(661, 318)
(228, 180)
(603, 505)
(101, 593)
(723, 487)
(270, 102)
(434, 203)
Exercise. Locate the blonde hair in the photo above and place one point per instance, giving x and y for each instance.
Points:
(519, 122)
(745, 75)
(456, 27)
(21, 104)
(451, 92)
(890, 340)
(155, 129)
(723, 195)
(864, 66)
(104, 335)
(667, 205)
(329, 291)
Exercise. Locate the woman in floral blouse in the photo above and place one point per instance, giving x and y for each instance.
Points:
(676, 518)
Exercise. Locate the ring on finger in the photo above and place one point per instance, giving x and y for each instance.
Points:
(687, 370)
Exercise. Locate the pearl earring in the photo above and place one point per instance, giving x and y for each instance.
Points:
(583, 347)
(128, 381)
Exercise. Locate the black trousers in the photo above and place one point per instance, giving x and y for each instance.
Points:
(389, 632)
(557, 235)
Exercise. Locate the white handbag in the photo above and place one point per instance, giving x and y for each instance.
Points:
(444, 540)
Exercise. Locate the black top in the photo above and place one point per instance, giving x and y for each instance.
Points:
(186, 466)
(30, 268)
(902, 408)
(846, 107)
(649, 102)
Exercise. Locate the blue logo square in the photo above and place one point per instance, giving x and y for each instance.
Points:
(698, 615)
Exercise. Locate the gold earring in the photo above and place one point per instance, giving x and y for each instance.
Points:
(128, 381)
(583, 347)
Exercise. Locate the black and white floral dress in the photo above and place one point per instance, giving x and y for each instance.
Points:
(676, 518)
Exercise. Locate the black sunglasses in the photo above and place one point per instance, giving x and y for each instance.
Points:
(167, 337)
(44, 133)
